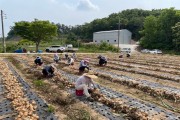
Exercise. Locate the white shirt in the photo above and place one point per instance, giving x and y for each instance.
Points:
(84, 80)
(71, 61)
(56, 57)
(82, 63)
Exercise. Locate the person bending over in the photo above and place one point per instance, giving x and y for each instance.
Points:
(83, 65)
(70, 61)
(48, 71)
(56, 58)
(38, 61)
(84, 83)
(102, 60)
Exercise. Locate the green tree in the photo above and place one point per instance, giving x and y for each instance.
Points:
(149, 39)
(129, 19)
(157, 32)
(166, 20)
(176, 35)
(11, 33)
(72, 37)
(35, 31)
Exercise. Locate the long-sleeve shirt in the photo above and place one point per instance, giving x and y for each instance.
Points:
(49, 69)
(84, 80)
(103, 58)
(70, 61)
(74, 55)
(83, 64)
(56, 57)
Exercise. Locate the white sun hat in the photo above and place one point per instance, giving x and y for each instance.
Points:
(90, 75)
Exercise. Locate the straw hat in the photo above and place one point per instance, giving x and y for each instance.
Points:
(90, 75)
(86, 61)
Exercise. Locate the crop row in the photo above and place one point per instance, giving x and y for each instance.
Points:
(114, 104)
(156, 63)
(166, 76)
(24, 108)
(101, 91)
(154, 89)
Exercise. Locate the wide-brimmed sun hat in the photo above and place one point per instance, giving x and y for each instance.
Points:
(90, 75)
(86, 61)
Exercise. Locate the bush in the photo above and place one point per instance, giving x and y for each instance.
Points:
(24, 42)
(104, 46)
(11, 48)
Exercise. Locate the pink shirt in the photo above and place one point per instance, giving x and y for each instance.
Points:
(84, 80)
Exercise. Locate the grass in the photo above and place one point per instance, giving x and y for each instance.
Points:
(38, 83)
(78, 114)
(85, 50)
(51, 109)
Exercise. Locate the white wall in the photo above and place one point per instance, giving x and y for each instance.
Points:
(112, 36)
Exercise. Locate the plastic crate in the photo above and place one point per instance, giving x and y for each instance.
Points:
(79, 92)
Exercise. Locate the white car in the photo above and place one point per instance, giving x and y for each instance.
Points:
(145, 51)
(127, 50)
(155, 51)
(55, 48)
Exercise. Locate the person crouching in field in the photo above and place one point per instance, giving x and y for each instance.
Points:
(83, 65)
(38, 61)
(48, 71)
(102, 60)
(56, 58)
(66, 56)
(74, 55)
(84, 83)
(70, 61)
(128, 54)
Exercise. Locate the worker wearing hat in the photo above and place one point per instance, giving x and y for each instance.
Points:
(83, 65)
(48, 71)
(84, 83)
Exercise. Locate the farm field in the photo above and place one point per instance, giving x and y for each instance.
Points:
(142, 87)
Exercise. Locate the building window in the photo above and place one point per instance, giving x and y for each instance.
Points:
(107, 40)
(114, 40)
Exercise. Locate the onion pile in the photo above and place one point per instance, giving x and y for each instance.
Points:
(24, 108)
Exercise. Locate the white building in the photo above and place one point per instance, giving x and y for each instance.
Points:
(112, 36)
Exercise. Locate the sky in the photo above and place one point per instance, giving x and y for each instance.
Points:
(72, 12)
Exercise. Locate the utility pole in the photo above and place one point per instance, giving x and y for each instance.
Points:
(3, 40)
(118, 31)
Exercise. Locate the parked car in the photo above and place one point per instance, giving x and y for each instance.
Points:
(127, 50)
(145, 51)
(55, 48)
(70, 48)
(155, 51)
